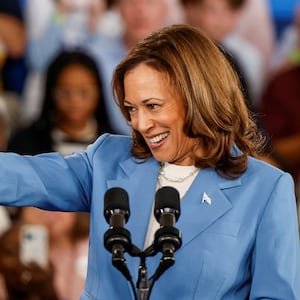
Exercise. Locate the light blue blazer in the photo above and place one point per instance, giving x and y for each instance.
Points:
(245, 243)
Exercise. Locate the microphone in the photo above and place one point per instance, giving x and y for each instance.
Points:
(116, 207)
(167, 211)
(117, 239)
(167, 238)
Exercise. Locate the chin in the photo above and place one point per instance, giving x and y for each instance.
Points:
(161, 158)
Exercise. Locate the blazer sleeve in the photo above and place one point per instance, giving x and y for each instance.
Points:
(276, 255)
(48, 181)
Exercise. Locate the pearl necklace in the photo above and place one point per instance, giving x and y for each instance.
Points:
(175, 179)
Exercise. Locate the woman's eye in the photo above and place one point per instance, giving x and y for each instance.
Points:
(130, 109)
(153, 106)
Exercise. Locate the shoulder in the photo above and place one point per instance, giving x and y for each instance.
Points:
(111, 145)
(263, 185)
(108, 139)
(258, 166)
(264, 174)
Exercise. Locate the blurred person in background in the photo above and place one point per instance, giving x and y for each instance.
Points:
(219, 19)
(280, 107)
(256, 25)
(174, 14)
(65, 22)
(73, 113)
(280, 116)
(68, 247)
(22, 281)
(12, 65)
(12, 46)
(52, 26)
(138, 19)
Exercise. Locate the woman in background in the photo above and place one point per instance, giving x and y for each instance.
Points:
(73, 113)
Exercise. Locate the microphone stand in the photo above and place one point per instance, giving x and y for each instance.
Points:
(118, 241)
(167, 240)
(143, 284)
(167, 260)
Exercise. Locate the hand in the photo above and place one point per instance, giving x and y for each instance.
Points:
(30, 281)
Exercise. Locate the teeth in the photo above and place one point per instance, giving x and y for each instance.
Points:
(158, 138)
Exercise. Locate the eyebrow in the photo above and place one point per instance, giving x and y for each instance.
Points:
(145, 100)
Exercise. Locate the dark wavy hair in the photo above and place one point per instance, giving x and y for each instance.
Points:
(63, 60)
(216, 112)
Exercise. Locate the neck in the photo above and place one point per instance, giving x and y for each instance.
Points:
(192, 171)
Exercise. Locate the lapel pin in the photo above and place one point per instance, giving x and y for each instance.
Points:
(206, 198)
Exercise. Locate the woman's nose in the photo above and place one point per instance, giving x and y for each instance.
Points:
(144, 121)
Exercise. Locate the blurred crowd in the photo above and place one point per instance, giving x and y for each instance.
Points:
(57, 58)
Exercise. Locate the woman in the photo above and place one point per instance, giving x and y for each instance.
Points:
(192, 131)
(73, 113)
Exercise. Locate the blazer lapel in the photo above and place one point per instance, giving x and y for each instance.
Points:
(203, 204)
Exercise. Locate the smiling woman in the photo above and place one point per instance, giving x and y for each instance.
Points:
(182, 83)
(191, 131)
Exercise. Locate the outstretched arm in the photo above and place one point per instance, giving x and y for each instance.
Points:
(48, 181)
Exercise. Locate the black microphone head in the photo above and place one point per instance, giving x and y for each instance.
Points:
(167, 197)
(116, 198)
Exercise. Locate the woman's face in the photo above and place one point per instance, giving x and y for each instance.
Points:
(158, 113)
(76, 94)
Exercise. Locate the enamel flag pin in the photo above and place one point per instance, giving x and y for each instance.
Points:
(206, 198)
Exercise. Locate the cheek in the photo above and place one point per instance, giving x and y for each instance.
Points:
(179, 121)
